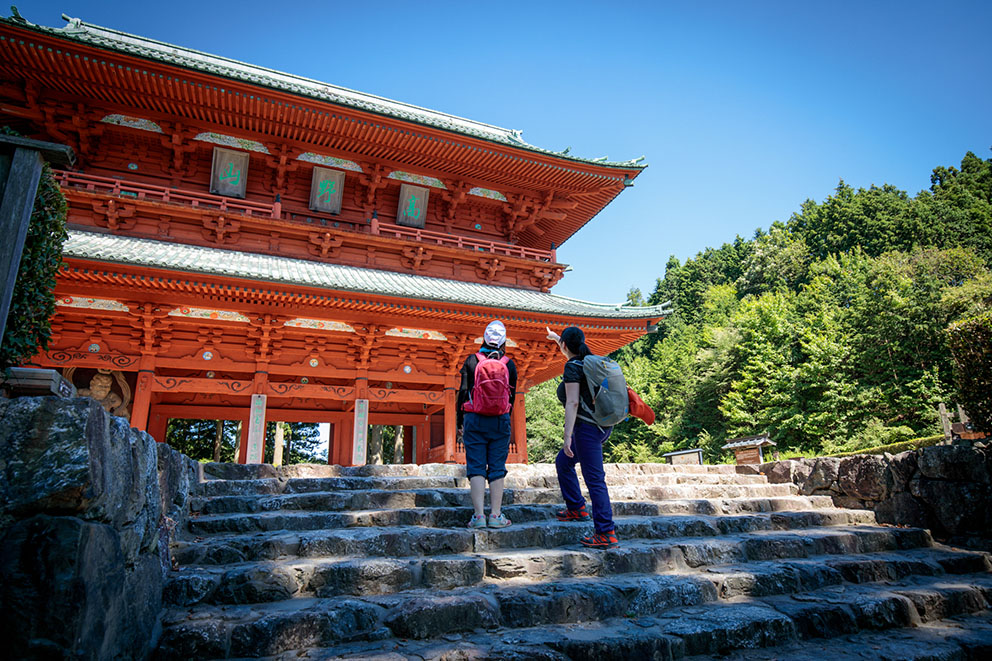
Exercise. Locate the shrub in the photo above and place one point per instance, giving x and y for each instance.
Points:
(873, 434)
(970, 341)
(33, 304)
(896, 448)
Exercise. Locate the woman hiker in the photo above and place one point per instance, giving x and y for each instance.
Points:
(485, 399)
(582, 443)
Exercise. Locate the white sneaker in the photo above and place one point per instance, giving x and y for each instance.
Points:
(498, 521)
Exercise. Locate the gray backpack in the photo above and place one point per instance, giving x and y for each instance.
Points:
(608, 389)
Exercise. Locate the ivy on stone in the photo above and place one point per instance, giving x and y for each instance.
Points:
(29, 325)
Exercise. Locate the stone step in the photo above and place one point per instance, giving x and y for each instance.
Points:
(259, 471)
(276, 580)
(678, 613)
(703, 553)
(399, 541)
(273, 486)
(444, 517)
(329, 501)
(960, 638)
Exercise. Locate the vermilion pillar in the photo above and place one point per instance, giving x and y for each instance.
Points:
(450, 420)
(518, 443)
(156, 425)
(344, 441)
(142, 400)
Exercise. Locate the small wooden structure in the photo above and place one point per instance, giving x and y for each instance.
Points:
(747, 449)
(694, 456)
(20, 381)
(961, 430)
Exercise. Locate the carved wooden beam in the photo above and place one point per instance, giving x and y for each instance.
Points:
(220, 229)
(114, 215)
(370, 182)
(416, 258)
(324, 244)
(488, 268)
(282, 161)
(178, 140)
(454, 194)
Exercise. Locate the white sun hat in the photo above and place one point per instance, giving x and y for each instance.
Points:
(495, 335)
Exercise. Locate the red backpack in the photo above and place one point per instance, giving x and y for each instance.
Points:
(491, 392)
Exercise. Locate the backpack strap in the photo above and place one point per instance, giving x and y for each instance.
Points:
(582, 402)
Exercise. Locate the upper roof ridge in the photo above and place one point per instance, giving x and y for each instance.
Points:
(97, 35)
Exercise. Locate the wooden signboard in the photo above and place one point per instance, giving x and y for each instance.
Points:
(412, 211)
(687, 458)
(751, 455)
(361, 438)
(326, 190)
(229, 173)
(256, 430)
(32, 381)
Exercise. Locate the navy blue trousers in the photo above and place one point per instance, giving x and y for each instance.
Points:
(587, 446)
(487, 444)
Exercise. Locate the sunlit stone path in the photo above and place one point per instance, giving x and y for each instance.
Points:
(375, 562)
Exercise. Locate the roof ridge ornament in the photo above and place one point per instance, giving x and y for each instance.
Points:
(73, 24)
(16, 16)
(517, 134)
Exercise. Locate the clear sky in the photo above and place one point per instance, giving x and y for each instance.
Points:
(743, 109)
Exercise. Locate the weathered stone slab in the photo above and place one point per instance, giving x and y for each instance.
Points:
(864, 477)
(422, 617)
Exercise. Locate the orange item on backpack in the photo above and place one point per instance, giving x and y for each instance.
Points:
(638, 408)
(491, 390)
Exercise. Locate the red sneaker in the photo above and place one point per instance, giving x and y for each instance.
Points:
(573, 515)
(601, 540)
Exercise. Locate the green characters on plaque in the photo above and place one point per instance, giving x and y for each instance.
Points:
(229, 173)
(326, 190)
(412, 210)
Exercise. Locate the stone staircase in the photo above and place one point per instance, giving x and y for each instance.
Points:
(374, 562)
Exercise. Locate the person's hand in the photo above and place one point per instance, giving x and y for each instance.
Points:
(552, 335)
(567, 448)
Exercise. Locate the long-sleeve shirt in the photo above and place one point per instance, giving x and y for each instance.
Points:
(468, 382)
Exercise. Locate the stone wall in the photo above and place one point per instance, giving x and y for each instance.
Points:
(946, 488)
(83, 538)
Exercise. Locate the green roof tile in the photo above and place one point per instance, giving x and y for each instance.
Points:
(122, 42)
(336, 277)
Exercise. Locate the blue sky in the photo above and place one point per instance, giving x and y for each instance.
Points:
(743, 109)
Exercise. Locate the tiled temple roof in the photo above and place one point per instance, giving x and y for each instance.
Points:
(251, 266)
(122, 42)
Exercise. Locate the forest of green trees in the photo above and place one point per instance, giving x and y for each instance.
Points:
(828, 332)
(217, 440)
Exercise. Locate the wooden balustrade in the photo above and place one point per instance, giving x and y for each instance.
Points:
(140, 191)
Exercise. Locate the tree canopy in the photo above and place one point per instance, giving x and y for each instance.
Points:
(828, 331)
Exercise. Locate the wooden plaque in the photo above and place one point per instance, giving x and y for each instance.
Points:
(256, 430)
(748, 455)
(361, 437)
(412, 211)
(687, 458)
(326, 190)
(229, 173)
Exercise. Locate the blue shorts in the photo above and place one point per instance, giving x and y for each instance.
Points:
(487, 443)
